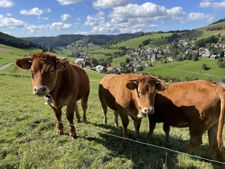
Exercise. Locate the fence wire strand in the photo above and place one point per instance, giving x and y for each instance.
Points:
(128, 139)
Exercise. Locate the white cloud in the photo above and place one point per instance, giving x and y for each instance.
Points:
(34, 11)
(35, 28)
(65, 17)
(109, 3)
(68, 2)
(212, 4)
(145, 10)
(6, 3)
(197, 16)
(9, 22)
(59, 26)
(99, 24)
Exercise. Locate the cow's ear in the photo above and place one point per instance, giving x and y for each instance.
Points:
(61, 64)
(160, 85)
(24, 63)
(132, 84)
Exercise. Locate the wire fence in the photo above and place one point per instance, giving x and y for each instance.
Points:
(119, 137)
(123, 138)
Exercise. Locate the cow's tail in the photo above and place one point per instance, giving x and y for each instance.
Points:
(220, 127)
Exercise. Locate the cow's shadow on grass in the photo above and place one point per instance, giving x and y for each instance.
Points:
(146, 156)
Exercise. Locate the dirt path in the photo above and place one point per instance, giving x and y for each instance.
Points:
(5, 66)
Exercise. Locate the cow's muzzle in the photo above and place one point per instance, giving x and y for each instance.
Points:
(40, 90)
(145, 112)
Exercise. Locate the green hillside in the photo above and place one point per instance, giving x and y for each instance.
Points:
(154, 39)
(9, 40)
(9, 54)
(188, 69)
(206, 31)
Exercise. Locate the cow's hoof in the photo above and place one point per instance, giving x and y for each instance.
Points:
(73, 135)
(60, 132)
(116, 125)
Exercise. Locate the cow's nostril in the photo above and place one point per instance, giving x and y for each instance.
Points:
(43, 89)
(35, 89)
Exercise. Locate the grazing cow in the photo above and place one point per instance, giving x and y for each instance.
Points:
(199, 105)
(63, 84)
(129, 94)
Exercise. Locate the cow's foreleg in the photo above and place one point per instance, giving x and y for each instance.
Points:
(137, 124)
(70, 114)
(151, 125)
(166, 129)
(125, 122)
(116, 118)
(59, 124)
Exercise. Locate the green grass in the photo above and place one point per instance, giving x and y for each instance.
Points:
(116, 61)
(28, 138)
(155, 40)
(9, 54)
(185, 69)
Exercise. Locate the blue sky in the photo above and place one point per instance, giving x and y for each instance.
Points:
(23, 18)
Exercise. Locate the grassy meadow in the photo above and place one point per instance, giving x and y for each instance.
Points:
(190, 69)
(28, 136)
(155, 40)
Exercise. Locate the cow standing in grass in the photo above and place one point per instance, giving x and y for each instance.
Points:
(63, 83)
(199, 105)
(129, 94)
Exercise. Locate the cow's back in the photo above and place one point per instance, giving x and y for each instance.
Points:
(82, 83)
(113, 89)
(183, 102)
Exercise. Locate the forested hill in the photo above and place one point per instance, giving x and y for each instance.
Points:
(64, 40)
(8, 40)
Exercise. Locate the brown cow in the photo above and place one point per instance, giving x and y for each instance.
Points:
(199, 105)
(129, 94)
(62, 82)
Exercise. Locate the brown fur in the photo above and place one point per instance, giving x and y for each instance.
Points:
(198, 105)
(120, 94)
(66, 83)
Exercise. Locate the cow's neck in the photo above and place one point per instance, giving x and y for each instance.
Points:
(60, 82)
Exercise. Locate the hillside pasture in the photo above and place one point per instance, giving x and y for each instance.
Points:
(28, 136)
(9, 54)
(155, 39)
(188, 69)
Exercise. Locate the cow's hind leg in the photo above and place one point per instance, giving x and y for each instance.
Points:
(77, 113)
(104, 109)
(212, 132)
(70, 116)
(59, 124)
(195, 137)
(84, 104)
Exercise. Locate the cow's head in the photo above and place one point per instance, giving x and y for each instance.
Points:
(144, 90)
(44, 68)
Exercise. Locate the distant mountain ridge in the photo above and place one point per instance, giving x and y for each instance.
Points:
(64, 40)
(9, 40)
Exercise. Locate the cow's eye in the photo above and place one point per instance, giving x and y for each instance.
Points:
(52, 70)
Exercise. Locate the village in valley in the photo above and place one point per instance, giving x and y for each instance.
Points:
(140, 58)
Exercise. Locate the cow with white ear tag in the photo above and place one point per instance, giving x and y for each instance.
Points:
(61, 83)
